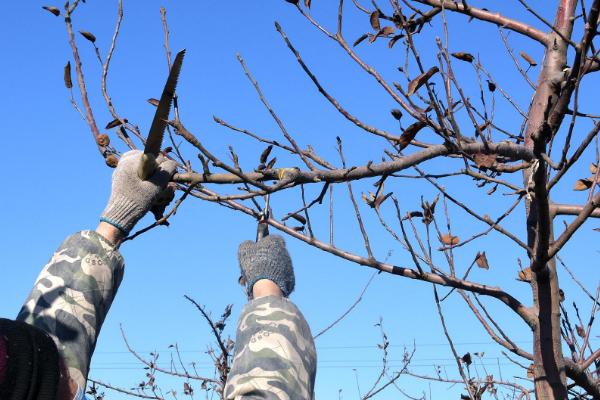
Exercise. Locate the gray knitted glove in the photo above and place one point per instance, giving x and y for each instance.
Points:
(131, 198)
(267, 259)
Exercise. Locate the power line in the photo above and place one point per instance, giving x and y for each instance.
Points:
(353, 347)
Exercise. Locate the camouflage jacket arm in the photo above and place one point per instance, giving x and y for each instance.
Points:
(275, 355)
(72, 296)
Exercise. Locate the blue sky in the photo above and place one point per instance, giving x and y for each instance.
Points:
(57, 184)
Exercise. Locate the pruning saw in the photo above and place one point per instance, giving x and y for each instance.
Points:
(159, 123)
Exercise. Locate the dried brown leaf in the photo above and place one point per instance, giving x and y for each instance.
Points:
(374, 19)
(449, 240)
(102, 140)
(307, 3)
(416, 83)
(67, 76)
(481, 260)
(52, 9)
(491, 86)
(88, 35)
(386, 31)
(299, 218)
(114, 123)
(525, 275)
(360, 39)
(463, 56)
(528, 58)
(582, 184)
(484, 160)
(393, 40)
(593, 168)
(580, 331)
(530, 370)
(265, 154)
(379, 200)
(272, 163)
(153, 101)
(112, 160)
(396, 113)
(409, 134)
(467, 359)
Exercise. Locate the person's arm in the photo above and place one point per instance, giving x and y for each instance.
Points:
(75, 290)
(71, 297)
(275, 355)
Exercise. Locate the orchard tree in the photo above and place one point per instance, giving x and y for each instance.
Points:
(462, 131)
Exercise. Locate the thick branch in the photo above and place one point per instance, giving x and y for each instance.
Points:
(571, 209)
(505, 149)
(495, 18)
(582, 378)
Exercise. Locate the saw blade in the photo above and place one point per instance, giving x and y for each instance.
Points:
(159, 123)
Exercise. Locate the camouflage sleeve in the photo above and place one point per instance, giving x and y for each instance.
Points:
(72, 296)
(275, 355)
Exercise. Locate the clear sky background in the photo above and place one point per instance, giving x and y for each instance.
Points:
(56, 183)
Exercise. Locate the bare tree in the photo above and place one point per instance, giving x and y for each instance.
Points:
(439, 118)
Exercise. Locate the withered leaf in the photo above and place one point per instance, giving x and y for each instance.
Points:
(525, 275)
(484, 160)
(299, 218)
(528, 58)
(396, 113)
(374, 19)
(491, 86)
(370, 199)
(481, 260)
(88, 35)
(380, 199)
(67, 76)
(428, 209)
(272, 163)
(360, 39)
(52, 9)
(386, 31)
(102, 140)
(409, 134)
(467, 359)
(114, 123)
(416, 83)
(293, 1)
(265, 154)
(415, 214)
(449, 240)
(530, 370)
(593, 168)
(393, 40)
(153, 101)
(187, 389)
(307, 3)
(580, 331)
(583, 184)
(463, 56)
(111, 160)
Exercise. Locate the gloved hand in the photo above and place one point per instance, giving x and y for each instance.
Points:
(266, 259)
(131, 198)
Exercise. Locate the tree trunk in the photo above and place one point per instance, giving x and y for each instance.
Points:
(549, 370)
